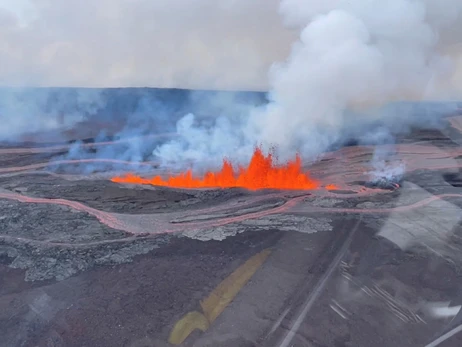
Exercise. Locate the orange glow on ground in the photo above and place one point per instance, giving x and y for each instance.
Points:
(261, 173)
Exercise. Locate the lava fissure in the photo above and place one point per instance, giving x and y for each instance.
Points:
(261, 173)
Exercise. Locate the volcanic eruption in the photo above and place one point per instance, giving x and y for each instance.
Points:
(261, 173)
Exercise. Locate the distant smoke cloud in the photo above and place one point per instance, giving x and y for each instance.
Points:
(209, 44)
(162, 43)
(349, 58)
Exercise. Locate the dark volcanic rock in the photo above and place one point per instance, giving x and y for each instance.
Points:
(113, 197)
(391, 183)
(453, 179)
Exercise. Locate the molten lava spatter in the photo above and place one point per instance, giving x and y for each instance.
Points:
(331, 187)
(261, 173)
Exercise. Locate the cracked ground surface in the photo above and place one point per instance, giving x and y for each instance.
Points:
(88, 262)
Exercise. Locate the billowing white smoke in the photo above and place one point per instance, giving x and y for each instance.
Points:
(385, 166)
(351, 55)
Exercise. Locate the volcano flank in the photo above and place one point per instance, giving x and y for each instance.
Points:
(98, 249)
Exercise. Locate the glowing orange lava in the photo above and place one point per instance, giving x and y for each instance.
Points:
(261, 173)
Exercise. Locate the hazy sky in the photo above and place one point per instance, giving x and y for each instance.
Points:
(224, 44)
(16, 6)
(194, 43)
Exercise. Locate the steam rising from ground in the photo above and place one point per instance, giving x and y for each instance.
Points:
(353, 55)
(25, 110)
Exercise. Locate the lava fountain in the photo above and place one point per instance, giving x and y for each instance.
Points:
(261, 173)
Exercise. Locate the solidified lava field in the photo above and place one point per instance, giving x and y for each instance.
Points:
(85, 261)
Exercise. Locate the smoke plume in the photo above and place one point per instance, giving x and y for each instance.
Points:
(333, 69)
(351, 60)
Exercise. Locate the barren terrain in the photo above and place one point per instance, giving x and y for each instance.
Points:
(88, 262)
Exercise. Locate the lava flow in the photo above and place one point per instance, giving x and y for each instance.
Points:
(261, 173)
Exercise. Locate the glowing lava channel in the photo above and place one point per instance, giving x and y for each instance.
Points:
(261, 173)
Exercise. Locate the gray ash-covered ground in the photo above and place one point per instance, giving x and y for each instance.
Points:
(121, 198)
(387, 183)
(390, 183)
(348, 278)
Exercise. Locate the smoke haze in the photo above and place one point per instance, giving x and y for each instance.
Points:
(352, 58)
(198, 44)
(330, 68)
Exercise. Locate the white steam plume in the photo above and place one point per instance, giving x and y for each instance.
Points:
(351, 55)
